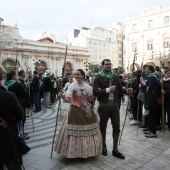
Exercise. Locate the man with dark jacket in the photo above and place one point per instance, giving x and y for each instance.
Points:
(35, 84)
(16, 87)
(10, 111)
(47, 84)
(27, 101)
(106, 86)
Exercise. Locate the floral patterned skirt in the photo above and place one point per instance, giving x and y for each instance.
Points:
(79, 136)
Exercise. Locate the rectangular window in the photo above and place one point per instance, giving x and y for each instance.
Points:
(134, 27)
(150, 45)
(150, 23)
(166, 44)
(166, 19)
(134, 47)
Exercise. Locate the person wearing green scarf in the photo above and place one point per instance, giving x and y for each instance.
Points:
(26, 101)
(150, 83)
(106, 86)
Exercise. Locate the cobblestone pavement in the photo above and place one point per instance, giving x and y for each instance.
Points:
(141, 153)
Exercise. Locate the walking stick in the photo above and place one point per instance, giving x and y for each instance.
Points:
(31, 110)
(128, 99)
(59, 104)
(124, 119)
(163, 116)
(138, 102)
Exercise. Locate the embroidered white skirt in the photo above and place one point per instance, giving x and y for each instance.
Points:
(79, 136)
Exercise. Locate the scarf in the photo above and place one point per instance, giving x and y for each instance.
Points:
(46, 75)
(133, 80)
(150, 75)
(108, 78)
(25, 84)
(9, 83)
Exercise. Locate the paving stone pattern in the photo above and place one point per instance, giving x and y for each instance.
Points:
(141, 153)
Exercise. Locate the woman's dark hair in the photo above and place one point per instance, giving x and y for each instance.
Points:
(82, 73)
(151, 68)
(138, 75)
(157, 68)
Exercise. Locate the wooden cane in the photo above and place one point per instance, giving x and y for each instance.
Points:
(31, 110)
(59, 103)
(124, 119)
(128, 98)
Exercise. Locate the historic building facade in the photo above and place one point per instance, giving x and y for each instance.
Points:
(148, 33)
(43, 54)
(101, 43)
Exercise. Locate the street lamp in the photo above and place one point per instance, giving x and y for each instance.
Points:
(36, 61)
(86, 64)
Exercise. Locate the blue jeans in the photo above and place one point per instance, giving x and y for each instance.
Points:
(134, 109)
(37, 100)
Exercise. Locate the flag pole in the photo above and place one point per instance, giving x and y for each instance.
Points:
(138, 100)
(163, 116)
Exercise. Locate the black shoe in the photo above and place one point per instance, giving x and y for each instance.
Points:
(142, 126)
(104, 152)
(146, 129)
(25, 134)
(151, 135)
(118, 155)
(146, 132)
(26, 137)
(37, 110)
(158, 128)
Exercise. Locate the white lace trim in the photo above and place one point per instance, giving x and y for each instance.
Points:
(82, 130)
(81, 90)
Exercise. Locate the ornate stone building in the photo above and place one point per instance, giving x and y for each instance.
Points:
(48, 54)
(148, 32)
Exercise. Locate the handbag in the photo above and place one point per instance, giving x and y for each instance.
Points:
(23, 146)
(148, 98)
(141, 97)
(159, 100)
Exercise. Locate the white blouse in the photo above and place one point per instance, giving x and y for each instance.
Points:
(81, 90)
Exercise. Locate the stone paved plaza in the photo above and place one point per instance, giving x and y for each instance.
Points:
(141, 153)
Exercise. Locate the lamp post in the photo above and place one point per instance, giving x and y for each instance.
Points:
(36, 61)
(86, 64)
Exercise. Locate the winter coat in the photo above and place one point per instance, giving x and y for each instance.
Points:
(10, 111)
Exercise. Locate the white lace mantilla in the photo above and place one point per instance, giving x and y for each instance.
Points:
(80, 89)
(82, 130)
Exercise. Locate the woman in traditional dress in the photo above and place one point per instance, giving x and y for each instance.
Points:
(79, 135)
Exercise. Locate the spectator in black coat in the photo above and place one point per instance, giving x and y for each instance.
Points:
(16, 87)
(150, 82)
(35, 84)
(27, 100)
(10, 111)
(47, 84)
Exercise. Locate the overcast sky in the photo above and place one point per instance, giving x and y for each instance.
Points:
(60, 16)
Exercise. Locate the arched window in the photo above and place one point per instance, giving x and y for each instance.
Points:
(42, 64)
(8, 63)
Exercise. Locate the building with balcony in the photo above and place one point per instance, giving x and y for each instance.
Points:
(147, 33)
